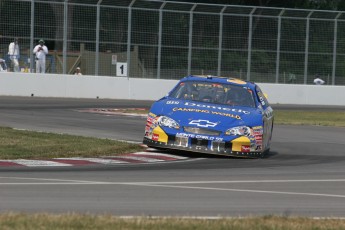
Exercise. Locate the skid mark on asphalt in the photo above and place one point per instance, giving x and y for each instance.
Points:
(149, 156)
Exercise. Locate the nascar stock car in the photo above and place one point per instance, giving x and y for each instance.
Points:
(209, 114)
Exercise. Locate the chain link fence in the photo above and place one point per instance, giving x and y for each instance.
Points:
(169, 40)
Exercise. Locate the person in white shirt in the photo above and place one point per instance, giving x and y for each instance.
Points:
(40, 52)
(14, 54)
(318, 80)
(78, 71)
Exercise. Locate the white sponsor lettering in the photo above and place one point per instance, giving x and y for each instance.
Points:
(199, 136)
(172, 102)
(216, 107)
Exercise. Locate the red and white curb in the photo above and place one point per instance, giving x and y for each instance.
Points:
(131, 158)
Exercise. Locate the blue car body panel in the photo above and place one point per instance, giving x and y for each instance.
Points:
(211, 126)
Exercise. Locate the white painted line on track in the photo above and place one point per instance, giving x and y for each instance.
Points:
(246, 181)
(170, 185)
(246, 190)
(179, 182)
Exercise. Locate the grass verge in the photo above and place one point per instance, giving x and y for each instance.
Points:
(298, 117)
(85, 222)
(19, 144)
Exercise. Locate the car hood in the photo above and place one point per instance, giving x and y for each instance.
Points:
(207, 115)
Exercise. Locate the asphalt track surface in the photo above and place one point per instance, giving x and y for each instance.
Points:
(304, 174)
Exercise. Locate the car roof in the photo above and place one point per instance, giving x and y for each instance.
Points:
(221, 80)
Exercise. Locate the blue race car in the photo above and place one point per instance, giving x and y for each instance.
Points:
(208, 114)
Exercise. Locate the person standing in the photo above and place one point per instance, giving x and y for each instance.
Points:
(40, 52)
(14, 54)
(78, 71)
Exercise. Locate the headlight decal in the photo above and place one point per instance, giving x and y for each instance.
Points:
(168, 122)
(239, 131)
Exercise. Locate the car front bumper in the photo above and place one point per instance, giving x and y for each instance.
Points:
(232, 148)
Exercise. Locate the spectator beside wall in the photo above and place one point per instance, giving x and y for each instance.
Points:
(78, 71)
(40, 52)
(14, 54)
(318, 80)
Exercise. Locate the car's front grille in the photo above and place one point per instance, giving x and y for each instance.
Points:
(201, 131)
(199, 145)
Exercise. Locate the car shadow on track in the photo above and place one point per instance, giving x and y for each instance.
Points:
(190, 154)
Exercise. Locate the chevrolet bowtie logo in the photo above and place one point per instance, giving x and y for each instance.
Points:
(202, 123)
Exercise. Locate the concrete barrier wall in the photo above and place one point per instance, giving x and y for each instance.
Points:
(71, 86)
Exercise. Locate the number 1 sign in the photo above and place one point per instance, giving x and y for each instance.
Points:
(121, 69)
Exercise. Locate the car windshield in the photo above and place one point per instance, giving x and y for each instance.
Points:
(218, 93)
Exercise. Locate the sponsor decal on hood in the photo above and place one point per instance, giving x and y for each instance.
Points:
(206, 111)
(203, 123)
(203, 107)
